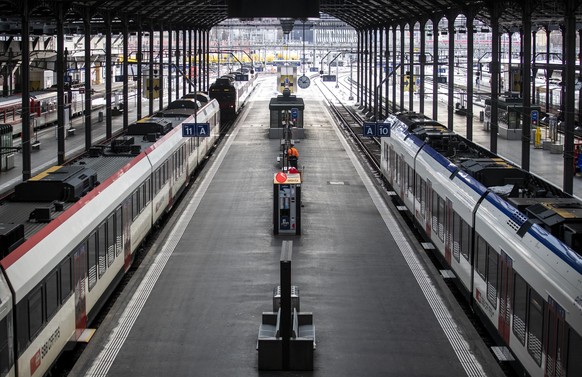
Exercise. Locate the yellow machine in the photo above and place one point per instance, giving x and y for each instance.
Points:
(286, 77)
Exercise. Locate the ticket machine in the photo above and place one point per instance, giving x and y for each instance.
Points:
(287, 204)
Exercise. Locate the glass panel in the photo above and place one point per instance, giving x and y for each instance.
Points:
(466, 239)
(574, 363)
(492, 276)
(481, 256)
(52, 294)
(456, 236)
(102, 244)
(519, 307)
(534, 326)
(66, 279)
(92, 248)
(35, 310)
(441, 219)
(110, 240)
(118, 230)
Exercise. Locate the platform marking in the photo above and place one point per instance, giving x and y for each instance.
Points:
(459, 344)
(102, 363)
(447, 274)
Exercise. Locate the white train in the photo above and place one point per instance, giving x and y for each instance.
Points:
(511, 239)
(69, 234)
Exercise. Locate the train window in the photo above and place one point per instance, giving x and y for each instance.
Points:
(457, 236)
(118, 230)
(92, 248)
(465, 239)
(102, 245)
(6, 356)
(555, 351)
(519, 307)
(66, 279)
(135, 205)
(492, 272)
(574, 363)
(110, 240)
(410, 179)
(441, 216)
(35, 312)
(148, 190)
(435, 211)
(143, 195)
(52, 293)
(22, 326)
(535, 322)
(481, 256)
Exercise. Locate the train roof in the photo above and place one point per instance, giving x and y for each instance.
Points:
(43, 198)
(542, 202)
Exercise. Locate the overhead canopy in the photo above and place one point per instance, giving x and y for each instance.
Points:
(204, 14)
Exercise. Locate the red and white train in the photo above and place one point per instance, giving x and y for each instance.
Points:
(512, 239)
(70, 233)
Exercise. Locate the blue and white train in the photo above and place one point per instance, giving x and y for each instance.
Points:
(69, 234)
(512, 240)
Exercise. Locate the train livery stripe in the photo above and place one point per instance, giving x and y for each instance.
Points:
(102, 363)
(558, 248)
(459, 344)
(54, 224)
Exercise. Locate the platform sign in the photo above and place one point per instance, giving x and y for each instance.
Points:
(370, 129)
(534, 118)
(373, 129)
(383, 130)
(195, 129)
(328, 78)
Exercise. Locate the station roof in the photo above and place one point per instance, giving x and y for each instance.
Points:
(204, 14)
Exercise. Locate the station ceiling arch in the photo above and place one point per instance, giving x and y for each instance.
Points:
(360, 14)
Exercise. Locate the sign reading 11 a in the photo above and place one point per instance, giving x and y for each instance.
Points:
(373, 129)
(195, 129)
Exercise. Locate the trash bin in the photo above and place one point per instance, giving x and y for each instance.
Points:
(101, 116)
(481, 116)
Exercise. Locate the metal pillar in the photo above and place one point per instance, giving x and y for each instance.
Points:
(207, 61)
(470, 81)
(387, 28)
(378, 101)
(494, 70)
(394, 75)
(170, 53)
(435, 67)
(548, 71)
(534, 70)
(161, 69)
(359, 64)
(526, 84)
(364, 71)
(87, 115)
(125, 109)
(451, 81)
(108, 77)
(60, 85)
(422, 61)
(578, 79)
(196, 48)
(139, 59)
(570, 25)
(178, 54)
(402, 49)
(150, 87)
(508, 86)
(25, 47)
(185, 54)
(411, 76)
(370, 86)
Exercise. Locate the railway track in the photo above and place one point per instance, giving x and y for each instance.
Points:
(352, 124)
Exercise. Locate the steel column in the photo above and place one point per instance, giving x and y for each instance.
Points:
(125, 108)
(60, 85)
(470, 79)
(422, 60)
(150, 87)
(494, 71)
(161, 69)
(87, 115)
(394, 75)
(139, 67)
(108, 77)
(435, 68)
(411, 76)
(451, 81)
(170, 53)
(526, 85)
(570, 47)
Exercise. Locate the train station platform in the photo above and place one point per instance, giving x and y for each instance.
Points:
(194, 306)
(46, 155)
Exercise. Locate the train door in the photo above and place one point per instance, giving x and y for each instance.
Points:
(448, 229)
(127, 218)
(555, 336)
(79, 279)
(428, 211)
(402, 174)
(505, 291)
